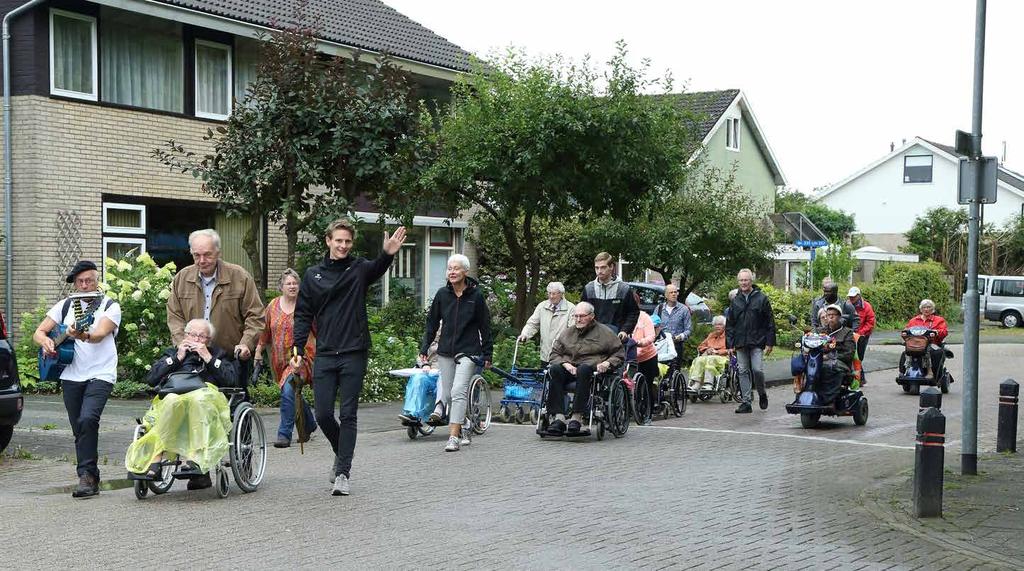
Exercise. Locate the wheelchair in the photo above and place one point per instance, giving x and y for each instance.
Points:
(247, 451)
(609, 405)
(672, 392)
(727, 385)
(479, 412)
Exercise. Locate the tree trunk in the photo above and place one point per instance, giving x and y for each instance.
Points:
(521, 311)
(534, 268)
(251, 243)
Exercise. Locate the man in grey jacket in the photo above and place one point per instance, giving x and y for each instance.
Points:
(550, 318)
(675, 318)
(830, 296)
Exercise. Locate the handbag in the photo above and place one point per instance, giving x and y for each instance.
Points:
(180, 383)
(666, 348)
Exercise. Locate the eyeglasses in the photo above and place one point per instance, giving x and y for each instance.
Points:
(581, 315)
(195, 335)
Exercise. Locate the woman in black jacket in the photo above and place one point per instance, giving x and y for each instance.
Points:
(467, 329)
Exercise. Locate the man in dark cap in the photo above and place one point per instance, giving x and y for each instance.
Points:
(87, 381)
(830, 296)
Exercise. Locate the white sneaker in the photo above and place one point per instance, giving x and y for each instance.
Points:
(453, 444)
(467, 437)
(341, 486)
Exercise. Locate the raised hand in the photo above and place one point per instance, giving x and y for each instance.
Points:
(394, 241)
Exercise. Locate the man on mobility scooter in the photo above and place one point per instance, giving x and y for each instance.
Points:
(575, 356)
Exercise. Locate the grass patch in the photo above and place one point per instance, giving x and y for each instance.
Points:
(47, 426)
(21, 453)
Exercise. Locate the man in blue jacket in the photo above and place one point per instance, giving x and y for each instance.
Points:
(675, 318)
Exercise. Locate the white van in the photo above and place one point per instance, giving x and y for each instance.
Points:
(1002, 299)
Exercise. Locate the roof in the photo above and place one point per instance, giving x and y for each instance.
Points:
(1009, 179)
(364, 24)
(708, 106)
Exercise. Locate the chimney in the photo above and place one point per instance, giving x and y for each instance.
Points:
(904, 142)
(892, 146)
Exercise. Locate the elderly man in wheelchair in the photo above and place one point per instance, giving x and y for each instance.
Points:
(578, 355)
(198, 416)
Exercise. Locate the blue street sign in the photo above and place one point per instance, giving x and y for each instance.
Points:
(811, 243)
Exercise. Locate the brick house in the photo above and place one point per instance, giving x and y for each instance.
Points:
(97, 85)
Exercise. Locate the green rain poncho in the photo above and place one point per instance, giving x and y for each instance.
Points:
(193, 425)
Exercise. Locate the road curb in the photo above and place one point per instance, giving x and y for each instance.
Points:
(903, 522)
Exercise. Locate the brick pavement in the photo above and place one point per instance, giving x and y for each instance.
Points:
(712, 490)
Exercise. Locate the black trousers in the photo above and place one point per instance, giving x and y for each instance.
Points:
(560, 378)
(649, 369)
(862, 347)
(829, 383)
(84, 401)
(334, 374)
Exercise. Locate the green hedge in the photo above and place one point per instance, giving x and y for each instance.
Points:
(900, 287)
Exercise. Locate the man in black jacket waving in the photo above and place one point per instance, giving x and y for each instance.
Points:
(750, 333)
(333, 297)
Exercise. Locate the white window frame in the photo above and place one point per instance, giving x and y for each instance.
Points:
(230, 78)
(108, 228)
(732, 133)
(94, 96)
(107, 240)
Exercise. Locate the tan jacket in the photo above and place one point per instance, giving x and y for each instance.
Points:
(588, 346)
(549, 323)
(236, 312)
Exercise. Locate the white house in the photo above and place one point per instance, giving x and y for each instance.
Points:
(888, 194)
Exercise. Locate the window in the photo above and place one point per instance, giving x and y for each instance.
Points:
(1008, 288)
(73, 55)
(120, 218)
(116, 247)
(732, 134)
(917, 168)
(213, 80)
(246, 63)
(142, 61)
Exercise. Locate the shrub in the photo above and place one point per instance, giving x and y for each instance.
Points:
(265, 395)
(504, 349)
(141, 288)
(900, 287)
(388, 353)
(26, 350)
(128, 389)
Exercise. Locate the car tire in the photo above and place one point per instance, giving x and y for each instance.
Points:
(1010, 319)
(6, 432)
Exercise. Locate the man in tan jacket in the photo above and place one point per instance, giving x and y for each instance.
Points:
(221, 292)
(576, 354)
(550, 318)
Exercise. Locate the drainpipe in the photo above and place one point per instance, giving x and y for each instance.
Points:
(9, 161)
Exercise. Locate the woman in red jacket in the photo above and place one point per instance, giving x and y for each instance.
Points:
(928, 318)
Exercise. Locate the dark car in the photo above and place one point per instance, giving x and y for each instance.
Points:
(11, 401)
(653, 294)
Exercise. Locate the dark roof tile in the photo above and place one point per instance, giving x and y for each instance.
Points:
(364, 24)
(708, 106)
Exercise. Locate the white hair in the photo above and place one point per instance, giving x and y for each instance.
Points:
(926, 303)
(209, 233)
(749, 271)
(190, 326)
(459, 259)
(585, 306)
(718, 320)
(556, 286)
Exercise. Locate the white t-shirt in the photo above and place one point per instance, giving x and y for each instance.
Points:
(92, 360)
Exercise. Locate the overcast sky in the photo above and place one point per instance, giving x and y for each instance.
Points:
(831, 83)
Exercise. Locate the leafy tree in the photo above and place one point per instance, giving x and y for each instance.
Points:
(932, 232)
(313, 132)
(527, 140)
(704, 233)
(838, 225)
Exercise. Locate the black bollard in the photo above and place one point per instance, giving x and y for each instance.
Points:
(1006, 437)
(931, 397)
(929, 455)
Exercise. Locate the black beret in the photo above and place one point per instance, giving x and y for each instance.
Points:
(81, 266)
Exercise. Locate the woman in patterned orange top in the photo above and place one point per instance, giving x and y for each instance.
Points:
(278, 337)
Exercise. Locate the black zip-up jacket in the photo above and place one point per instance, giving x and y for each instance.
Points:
(467, 323)
(332, 296)
(750, 322)
(613, 303)
(222, 370)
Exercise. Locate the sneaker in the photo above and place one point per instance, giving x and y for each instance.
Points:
(341, 486)
(467, 437)
(762, 400)
(744, 408)
(200, 482)
(87, 487)
(437, 417)
(282, 442)
(453, 444)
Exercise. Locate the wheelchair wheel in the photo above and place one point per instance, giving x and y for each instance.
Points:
(944, 382)
(163, 485)
(248, 450)
(617, 408)
(641, 399)
(411, 432)
(223, 484)
(534, 414)
(677, 394)
(141, 489)
(479, 409)
(521, 415)
(504, 413)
